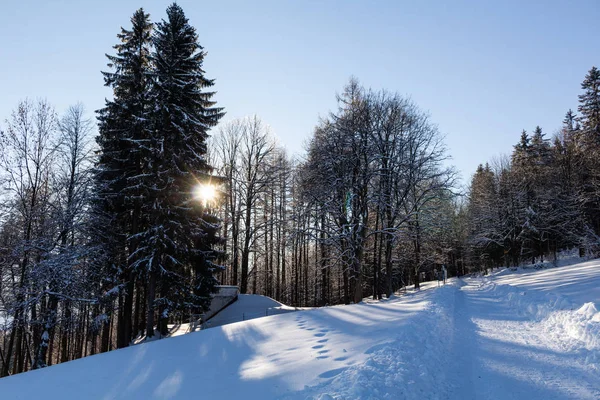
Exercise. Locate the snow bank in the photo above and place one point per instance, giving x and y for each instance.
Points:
(247, 307)
(578, 281)
(576, 327)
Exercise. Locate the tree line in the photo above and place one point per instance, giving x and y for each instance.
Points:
(545, 196)
(367, 209)
(373, 205)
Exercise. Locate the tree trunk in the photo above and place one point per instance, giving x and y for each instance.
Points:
(150, 305)
(19, 356)
(388, 267)
(9, 349)
(105, 340)
(246, 250)
(324, 280)
(127, 311)
(137, 311)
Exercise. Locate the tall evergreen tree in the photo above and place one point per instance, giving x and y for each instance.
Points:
(121, 178)
(589, 108)
(568, 163)
(177, 248)
(589, 105)
(521, 149)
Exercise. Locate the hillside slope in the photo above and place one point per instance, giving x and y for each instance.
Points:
(476, 338)
(248, 306)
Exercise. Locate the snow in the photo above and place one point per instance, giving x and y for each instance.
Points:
(524, 347)
(4, 321)
(589, 311)
(510, 335)
(248, 307)
(245, 308)
(577, 282)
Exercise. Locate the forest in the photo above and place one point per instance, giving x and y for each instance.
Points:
(116, 223)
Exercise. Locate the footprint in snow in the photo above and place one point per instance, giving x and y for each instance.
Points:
(332, 372)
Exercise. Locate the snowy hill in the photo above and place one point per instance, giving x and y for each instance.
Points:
(532, 335)
(248, 306)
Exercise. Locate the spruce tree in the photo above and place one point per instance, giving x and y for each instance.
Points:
(589, 105)
(121, 178)
(589, 108)
(540, 147)
(488, 237)
(177, 247)
(522, 148)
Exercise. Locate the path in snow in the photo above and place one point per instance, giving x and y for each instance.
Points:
(479, 340)
(462, 352)
(498, 353)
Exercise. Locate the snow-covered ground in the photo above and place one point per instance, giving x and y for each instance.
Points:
(245, 308)
(248, 307)
(523, 335)
(580, 282)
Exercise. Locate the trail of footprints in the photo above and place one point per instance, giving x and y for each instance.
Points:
(320, 347)
(319, 336)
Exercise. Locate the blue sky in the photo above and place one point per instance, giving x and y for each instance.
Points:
(484, 70)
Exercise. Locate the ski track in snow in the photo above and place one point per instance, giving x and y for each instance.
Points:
(523, 335)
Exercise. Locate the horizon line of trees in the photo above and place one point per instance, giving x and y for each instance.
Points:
(366, 211)
(545, 196)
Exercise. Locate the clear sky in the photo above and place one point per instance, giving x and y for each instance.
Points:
(484, 69)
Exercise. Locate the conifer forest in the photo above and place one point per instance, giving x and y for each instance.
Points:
(117, 222)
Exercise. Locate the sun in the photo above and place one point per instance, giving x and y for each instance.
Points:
(205, 192)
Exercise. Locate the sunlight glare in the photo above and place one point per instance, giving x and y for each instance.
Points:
(205, 193)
